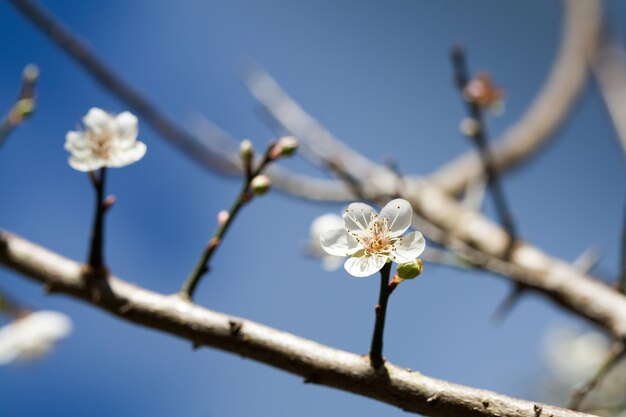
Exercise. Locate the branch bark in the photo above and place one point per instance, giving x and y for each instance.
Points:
(316, 363)
(609, 69)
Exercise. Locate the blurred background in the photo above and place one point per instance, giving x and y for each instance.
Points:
(378, 75)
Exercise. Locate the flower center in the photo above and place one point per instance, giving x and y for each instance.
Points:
(101, 143)
(377, 244)
(377, 238)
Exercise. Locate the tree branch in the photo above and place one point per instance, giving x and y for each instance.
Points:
(581, 31)
(316, 363)
(609, 69)
(75, 48)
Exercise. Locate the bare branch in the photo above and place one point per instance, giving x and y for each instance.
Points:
(527, 265)
(549, 109)
(609, 68)
(316, 363)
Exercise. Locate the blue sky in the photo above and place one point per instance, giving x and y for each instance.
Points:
(377, 75)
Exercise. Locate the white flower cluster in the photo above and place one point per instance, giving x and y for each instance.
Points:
(33, 335)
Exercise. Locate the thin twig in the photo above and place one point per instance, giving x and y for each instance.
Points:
(74, 47)
(202, 266)
(479, 137)
(96, 247)
(622, 276)
(24, 105)
(550, 107)
(609, 69)
(376, 350)
(615, 355)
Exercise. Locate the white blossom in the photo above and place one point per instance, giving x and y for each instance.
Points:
(33, 335)
(370, 240)
(573, 355)
(108, 141)
(319, 226)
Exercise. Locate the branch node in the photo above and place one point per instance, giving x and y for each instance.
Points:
(235, 327)
(312, 378)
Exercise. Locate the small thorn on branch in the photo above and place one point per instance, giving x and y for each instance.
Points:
(235, 327)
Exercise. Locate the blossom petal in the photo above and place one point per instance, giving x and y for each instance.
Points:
(126, 126)
(357, 218)
(86, 164)
(338, 242)
(97, 120)
(127, 156)
(364, 266)
(409, 247)
(398, 213)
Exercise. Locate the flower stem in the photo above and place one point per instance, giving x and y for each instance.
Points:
(376, 350)
(96, 257)
(202, 266)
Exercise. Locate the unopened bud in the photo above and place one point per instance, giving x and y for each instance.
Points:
(109, 201)
(260, 184)
(410, 270)
(222, 217)
(285, 146)
(25, 107)
(246, 151)
(469, 127)
(30, 73)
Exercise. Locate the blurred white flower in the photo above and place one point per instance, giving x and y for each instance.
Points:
(321, 225)
(574, 356)
(370, 240)
(33, 335)
(108, 141)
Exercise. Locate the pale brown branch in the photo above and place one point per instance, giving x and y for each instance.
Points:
(581, 30)
(582, 25)
(609, 69)
(316, 363)
(527, 265)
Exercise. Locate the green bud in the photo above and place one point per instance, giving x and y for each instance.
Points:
(25, 107)
(260, 184)
(410, 270)
(246, 151)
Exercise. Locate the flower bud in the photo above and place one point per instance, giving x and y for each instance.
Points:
(222, 217)
(30, 73)
(410, 270)
(469, 127)
(286, 146)
(260, 184)
(246, 151)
